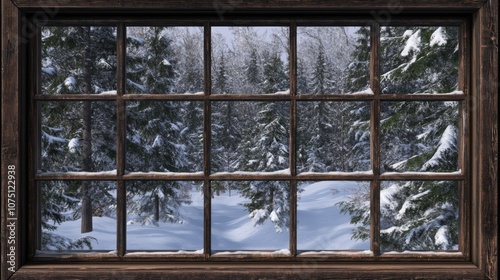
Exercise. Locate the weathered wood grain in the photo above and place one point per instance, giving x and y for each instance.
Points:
(231, 5)
(479, 230)
(305, 270)
(10, 135)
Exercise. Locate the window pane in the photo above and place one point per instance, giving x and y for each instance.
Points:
(419, 215)
(250, 136)
(333, 136)
(250, 216)
(333, 215)
(333, 60)
(419, 136)
(78, 136)
(78, 216)
(165, 216)
(164, 59)
(78, 59)
(418, 59)
(250, 60)
(164, 136)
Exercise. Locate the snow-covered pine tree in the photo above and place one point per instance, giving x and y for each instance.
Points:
(188, 50)
(154, 130)
(302, 85)
(321, 77)
(150, 60)
(269, 199)
(226, 135)
(57, 198)
(151, 201)
(268, 151)
(192, 134)
(315, 137)
(316, 121)
(419, 59)
(357, 114)
(253, 77)
(78, 60)
(275, 78)
(417, 136)
(220, 81)
(358, 70)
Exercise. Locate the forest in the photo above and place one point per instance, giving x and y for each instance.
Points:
(79, 137)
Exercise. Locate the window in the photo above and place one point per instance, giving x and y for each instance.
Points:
(224, 127)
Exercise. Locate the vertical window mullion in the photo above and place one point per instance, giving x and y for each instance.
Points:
(293, 138)
(120, 142)
(36, 146)
(375, 137)
(207, 115)
(465, 110)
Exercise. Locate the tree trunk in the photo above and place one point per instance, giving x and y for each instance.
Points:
(157, 208)
(87, 139)
(342, 152)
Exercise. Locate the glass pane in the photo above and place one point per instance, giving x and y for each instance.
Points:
(418, 59)
(333, 215)
(419, 216)
(78, 216)
(250, 60)
(419, 136)
(250, 136)
(78, 136)
(250, 216)
(333, 60)
(164, 60)
(78, 60)
(165, 216)
(333, 136)
(164, 136)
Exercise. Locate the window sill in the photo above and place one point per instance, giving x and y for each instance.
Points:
(227, 270)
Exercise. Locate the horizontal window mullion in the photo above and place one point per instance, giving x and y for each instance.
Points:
(250, 97)
(74, 176)
(407, 176)
(75, 97)
(334, 97)
(422, 97)
(416, 176)
(166, 97)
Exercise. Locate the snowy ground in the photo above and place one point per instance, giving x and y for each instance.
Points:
(321, 226)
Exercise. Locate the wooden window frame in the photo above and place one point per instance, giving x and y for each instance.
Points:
(480, 100)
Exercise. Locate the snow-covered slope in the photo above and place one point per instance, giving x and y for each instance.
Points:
(321, 226)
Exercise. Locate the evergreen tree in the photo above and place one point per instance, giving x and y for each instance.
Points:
(269, 200)
(419, 137)
(154, 129)
(78, 60)
(358, 71)
(225, 139)
(419, 59)
(151, 202)
(320, 79)
(275, 78)
(188, 52)
(302, 85)
(221, 83)
(357, 114)
(192, 134)
(252, 70)
(151, 62)
(57, 199)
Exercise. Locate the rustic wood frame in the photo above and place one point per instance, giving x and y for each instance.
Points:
(481, 103)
